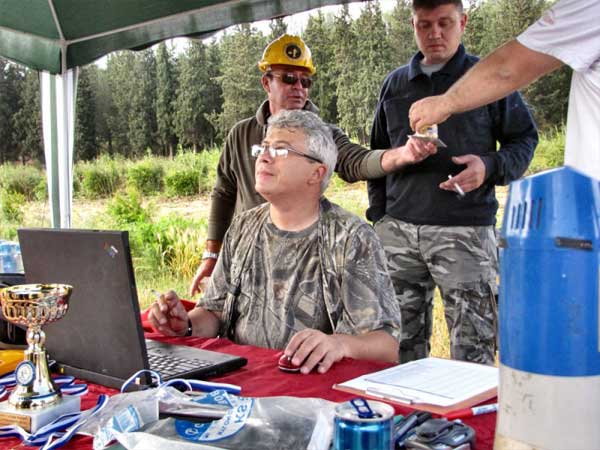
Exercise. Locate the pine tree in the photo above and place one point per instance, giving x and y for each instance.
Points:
(191, 107)
(319, 39)
(240, 79)
(277, 28)
(401, 35)
(548, 97)
(11, 79)
(120, 68)
(104, 106)
(27, 121)
(86, 147)
(344, 64)
(359, 84)
(165, 98)
(142, 115)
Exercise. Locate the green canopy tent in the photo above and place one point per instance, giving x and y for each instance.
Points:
(55, 37)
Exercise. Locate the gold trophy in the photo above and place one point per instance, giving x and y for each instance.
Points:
(35, 400)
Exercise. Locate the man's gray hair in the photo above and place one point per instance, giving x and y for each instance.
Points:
(319, 139)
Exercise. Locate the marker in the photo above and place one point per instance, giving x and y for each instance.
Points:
(457, 187)
(470, 412)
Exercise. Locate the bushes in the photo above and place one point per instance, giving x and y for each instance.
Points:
(12, 206)
(100, 178)
(29, 181)
(146, 176)
(191, 173)
(186, 175)
(549, 152)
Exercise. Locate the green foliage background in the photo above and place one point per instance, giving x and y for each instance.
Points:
(154, 101)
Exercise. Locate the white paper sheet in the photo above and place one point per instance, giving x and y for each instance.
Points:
(436, 381)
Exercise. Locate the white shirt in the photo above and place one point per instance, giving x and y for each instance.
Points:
(570, 32)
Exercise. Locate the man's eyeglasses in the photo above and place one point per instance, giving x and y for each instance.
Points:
(291, 79)
(258, 150)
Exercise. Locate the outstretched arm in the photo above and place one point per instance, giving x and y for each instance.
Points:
(508, 68)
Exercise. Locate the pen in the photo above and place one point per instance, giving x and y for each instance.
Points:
(457, 187)
(470, 412)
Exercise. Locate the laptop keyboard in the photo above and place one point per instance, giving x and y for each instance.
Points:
(169, 366)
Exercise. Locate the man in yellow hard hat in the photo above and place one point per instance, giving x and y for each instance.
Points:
(287, 68)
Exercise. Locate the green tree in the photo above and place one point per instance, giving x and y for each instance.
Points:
(86, 147)
(120, 68)
(192, 126)
(165, 98)
(318, 37)
(480, 38)
(277, 28)
(104, 107)
(11, 79)
(240, 78)
(27, 121)
(358, 87)
(548, 97)
(401, 35)
(142, 114)
(344, 63)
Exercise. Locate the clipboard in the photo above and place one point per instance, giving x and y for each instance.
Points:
(436, 385)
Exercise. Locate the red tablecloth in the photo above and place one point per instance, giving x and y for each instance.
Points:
(262, 378)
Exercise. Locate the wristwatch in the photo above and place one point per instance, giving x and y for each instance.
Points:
(212, 255)
(189, 330)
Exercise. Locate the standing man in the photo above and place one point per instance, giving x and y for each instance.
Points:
(287, 68)
(437, 230)
(568, 33)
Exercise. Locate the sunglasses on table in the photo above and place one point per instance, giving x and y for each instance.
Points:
(291, 79)
(258, 150)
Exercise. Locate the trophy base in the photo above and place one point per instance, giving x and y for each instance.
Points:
(33, 419)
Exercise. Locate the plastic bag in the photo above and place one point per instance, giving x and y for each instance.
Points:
(250, 423)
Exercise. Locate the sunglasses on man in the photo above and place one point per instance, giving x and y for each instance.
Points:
(291, 79)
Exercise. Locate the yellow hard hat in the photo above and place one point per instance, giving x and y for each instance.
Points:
(289, 51)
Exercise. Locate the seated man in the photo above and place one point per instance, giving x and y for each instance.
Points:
(297, 273)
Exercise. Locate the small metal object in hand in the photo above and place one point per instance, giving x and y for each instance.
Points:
(428, 134)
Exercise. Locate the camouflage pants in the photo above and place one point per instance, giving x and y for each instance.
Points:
(463, 263)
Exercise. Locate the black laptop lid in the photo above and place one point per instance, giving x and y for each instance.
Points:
(98, 266)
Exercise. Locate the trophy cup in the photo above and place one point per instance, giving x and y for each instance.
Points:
(35, 400)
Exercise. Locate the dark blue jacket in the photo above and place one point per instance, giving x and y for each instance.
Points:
(412, 193)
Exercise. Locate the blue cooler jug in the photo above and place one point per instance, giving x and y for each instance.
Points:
(549, 391)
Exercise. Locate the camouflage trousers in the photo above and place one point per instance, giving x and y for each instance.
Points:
(463, 263)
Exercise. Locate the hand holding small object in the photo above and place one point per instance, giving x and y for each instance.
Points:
(457, 187)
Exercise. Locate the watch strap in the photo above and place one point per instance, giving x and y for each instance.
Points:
(209, 255)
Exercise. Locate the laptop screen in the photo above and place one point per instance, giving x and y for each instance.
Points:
(101, 332)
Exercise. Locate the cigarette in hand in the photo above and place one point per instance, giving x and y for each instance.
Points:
(457, 187)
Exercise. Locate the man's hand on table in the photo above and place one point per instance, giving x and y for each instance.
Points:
(312, 348)
(168, 315)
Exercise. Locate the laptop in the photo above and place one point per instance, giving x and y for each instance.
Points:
(100, 338)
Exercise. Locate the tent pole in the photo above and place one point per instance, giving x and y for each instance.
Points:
(58, 115)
